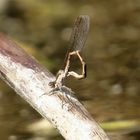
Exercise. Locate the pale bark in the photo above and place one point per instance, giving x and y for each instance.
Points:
(31, 81)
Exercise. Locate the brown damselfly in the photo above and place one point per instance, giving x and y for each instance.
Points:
(77, 42)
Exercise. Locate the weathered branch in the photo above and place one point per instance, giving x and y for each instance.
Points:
(30, 80)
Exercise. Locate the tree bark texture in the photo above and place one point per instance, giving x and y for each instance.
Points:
(31, 81)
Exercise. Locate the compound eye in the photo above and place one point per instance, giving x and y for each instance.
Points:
(52, 84)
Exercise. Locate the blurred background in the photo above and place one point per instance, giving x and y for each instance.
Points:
(111, 91)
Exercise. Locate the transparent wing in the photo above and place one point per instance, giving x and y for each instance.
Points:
(79, 33)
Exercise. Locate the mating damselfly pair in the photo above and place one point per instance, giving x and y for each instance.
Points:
(77, 42)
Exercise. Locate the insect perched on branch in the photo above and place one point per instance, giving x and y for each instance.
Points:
(77, 42)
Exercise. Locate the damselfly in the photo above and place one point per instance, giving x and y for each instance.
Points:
(77, 42)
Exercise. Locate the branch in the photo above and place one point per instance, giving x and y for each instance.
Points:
(31, 81)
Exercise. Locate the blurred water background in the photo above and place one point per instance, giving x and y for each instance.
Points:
(111, 91)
